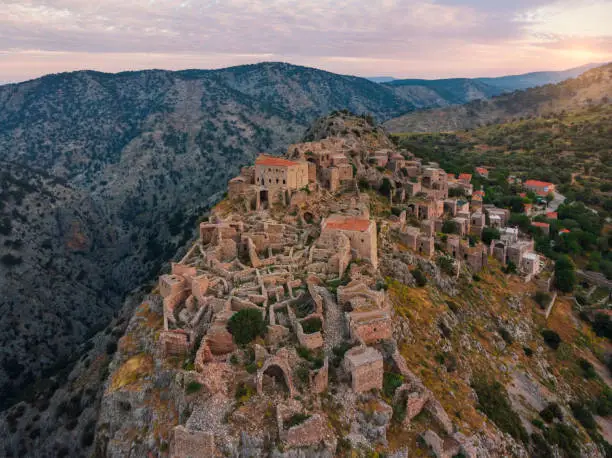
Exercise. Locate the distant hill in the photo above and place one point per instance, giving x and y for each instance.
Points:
(592, 87)
(533, 79)
(443, 92)
(380, 79)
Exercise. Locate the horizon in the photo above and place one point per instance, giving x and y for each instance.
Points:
(426, 39)
(368, 77)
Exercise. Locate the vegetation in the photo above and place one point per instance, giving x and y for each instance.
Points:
(551, 338)
(419, 276)
(391, 382)
(565, 276)
(246, 325)
(493, 402)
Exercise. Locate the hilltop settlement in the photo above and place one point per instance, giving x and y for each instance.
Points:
(277, 335)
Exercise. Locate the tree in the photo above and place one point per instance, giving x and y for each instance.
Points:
(385, 187)
(246, 325)
(550, 197)
(489, 234)
(449, 227)
(419, 276)
(565, 274)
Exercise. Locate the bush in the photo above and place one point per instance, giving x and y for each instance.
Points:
(566, 438)
(528, 352)
(542, 299)
(588, 371)
(419, 276)
(391, 382)
(551, 338)
(602, 325)
(296, 419)
(506, 336)
(550, 412)
(246, 325)
(584, 416)
(10, 260)
(193, 387)
(312, 325)
(493, 402)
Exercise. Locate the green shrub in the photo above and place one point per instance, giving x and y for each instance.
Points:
(528, 352)
(551, 338)
(244, 392)
(506, 336)
(296, 419)
(493, 402)
(550, 412)
(602, 326)
(419, 276)
(588, 371)
(391, 382)
(193, 387)
(584, 416)
(542, 298)
(312, 325)
(246, 325)
(566, 438)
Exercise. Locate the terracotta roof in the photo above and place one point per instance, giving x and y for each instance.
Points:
(552, 215)
(538, 184)
(349, 224)
(482, 171)
(539, 224)
(564, 231)
(478, 193)
(262, 159)
(465, 176)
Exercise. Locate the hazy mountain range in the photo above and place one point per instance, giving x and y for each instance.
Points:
(591, 87)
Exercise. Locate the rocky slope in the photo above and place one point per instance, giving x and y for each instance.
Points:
(592, 87)
(467, 347)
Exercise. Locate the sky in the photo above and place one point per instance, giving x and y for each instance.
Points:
(400, 38)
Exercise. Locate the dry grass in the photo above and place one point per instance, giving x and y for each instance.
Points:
(131, 372)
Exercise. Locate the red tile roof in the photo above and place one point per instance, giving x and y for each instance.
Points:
(564, 231)
(482, 170)
(465, 176)
(478, 193)
(552, 215)
(523, 194)
(538, 184)
(263, 159)
(539, 224)
(349, 224)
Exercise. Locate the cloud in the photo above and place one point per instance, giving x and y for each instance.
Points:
(401, 37)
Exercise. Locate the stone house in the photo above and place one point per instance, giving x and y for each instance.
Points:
(365, 364)
(360, 231)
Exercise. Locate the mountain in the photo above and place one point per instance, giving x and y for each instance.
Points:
(311, 343)
(527, 80)
(592, 87)
(443, 92)
(381, 79)
(103, 176)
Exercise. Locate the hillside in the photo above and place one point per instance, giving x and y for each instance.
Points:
(592, 87)
(569, 149)
(526, 80)
(310, 347)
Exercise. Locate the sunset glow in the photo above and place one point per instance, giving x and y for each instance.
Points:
(402, 38)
